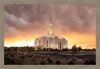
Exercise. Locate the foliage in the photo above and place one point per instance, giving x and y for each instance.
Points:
(6, 49)
(57, 62)
(38, 49)
(44, 49)
(93, 49)
(70, 62)
(65, 49)
(49, 60)
(18, 62)
(12, 55)
(27, 48)
(79, 48)
(22, 57)
(8, 60)
(30, 55)
(74, 49)
(42, 62)
(35, 63)
(89, 62)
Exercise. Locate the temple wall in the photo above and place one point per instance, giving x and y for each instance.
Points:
(51, 42)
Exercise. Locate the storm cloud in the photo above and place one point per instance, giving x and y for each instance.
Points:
(33, 19)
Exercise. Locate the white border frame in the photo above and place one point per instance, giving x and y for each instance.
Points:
(2, 66)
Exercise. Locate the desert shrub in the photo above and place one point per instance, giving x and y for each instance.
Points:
(22, 57)
(6, 49)
(12, 55)
(30, 55)
(93, 49)
(65, 49)
(26, 55)
(52, 49)
(49, 60)
(18, 62)
(44, 49)
(42, 57)
(74, 59)
(70, 62)
(42, 62)
(89, 62)
(37, 56)
(6, 55)
(57, 62)
(34, 59)
(35, 63)
(56, 49)
(48, 56)
(7, 60)
(18, 53)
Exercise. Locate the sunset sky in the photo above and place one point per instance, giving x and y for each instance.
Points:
(25, 22)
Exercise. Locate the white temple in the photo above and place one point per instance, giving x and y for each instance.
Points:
(50, 40)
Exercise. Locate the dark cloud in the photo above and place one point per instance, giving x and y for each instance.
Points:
(34, 19)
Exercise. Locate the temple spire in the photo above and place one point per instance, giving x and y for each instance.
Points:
(50, 28)
(50, 20)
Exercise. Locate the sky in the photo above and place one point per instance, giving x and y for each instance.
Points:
(25, 22)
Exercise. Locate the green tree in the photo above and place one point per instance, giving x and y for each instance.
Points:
(79, 48)
(74, 49)
(93, 49)
(65, 49)
(44, 49)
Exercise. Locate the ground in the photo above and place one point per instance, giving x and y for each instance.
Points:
(49, 58)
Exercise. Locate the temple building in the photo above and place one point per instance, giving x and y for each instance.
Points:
(51, 40)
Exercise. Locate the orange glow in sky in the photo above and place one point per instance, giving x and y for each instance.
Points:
(83, 40)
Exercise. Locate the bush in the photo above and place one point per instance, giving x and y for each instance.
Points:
(18, 62)
(33, 59)
(49, 60)
(37, 56)
(22, 57)
(12, 55)
(35, 63)
(42, 62)
(42, 57)
(70, 62)
(57, 62)
(74, 59)
(65, 49)
(89, 62)
(6, 49)
(6, 55)
(19, 54)
(44, 49)
(29, 55)
(8, 60)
